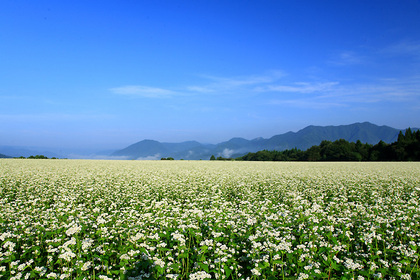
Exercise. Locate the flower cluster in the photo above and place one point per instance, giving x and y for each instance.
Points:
(208, 220)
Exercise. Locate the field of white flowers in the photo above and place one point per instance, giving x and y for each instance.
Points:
(75, 219)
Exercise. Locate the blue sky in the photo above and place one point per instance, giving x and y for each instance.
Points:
(106, 74)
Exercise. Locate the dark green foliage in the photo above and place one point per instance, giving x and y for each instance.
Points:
(38, 157)
(406, 148)
(222, 158)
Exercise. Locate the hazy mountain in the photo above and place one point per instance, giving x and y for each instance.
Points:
(25, 152)
(4, 156)
(235, 147)
(313, 135)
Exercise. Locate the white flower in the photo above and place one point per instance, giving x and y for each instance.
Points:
(73, 230)
(86, 266)
(200, 275)
(87, 243)
(52, 275)
(104, 277)
(72, 241)
(377, 275)
(9, 244)
(5, 235)
(67, 255)
(159, 262)
(125, 257)
(303, 276)
(255, 271)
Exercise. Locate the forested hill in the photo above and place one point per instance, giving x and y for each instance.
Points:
(406, 148)
(303, 139)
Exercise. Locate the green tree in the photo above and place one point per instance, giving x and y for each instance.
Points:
(313, 153)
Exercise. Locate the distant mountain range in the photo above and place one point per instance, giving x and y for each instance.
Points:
(303, 139)
(191, 150)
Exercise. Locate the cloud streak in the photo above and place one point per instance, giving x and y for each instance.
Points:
(143, 91)
(214, 85)
(299, 87)
(223, 85)
(153, 157)
(330, 95)
(271, 88)
(405, 48)
(346, 58)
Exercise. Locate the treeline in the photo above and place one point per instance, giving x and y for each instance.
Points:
(406, 148)
(36, 157)
(220, 158)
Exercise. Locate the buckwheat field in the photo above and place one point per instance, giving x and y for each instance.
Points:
(80, 219)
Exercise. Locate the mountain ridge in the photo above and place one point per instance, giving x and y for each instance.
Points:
(303, 139)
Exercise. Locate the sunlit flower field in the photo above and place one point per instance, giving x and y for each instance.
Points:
(75, 219)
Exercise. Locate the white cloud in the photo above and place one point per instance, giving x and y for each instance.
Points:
(227, 153)
(312, 103)
(213, 85)
(224, 85)
(308, 94)
(300, 87)
(247, 80)
(143, 91)
(333, 95)
(346, 58)
(410, 48)
(154, 157)
(200, 89)
(260, 83)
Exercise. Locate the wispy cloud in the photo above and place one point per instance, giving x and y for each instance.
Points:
(143, 91)
(312, 103)
(234, 84)
(227, 153)
(211, 85)
(330, 95)
(346, 58)
(405, 48)
(299, 87)
(153, 157)
(309, 94)
(200, 89)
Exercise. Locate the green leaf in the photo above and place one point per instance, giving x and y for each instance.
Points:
(205, 267)
(228, 271)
